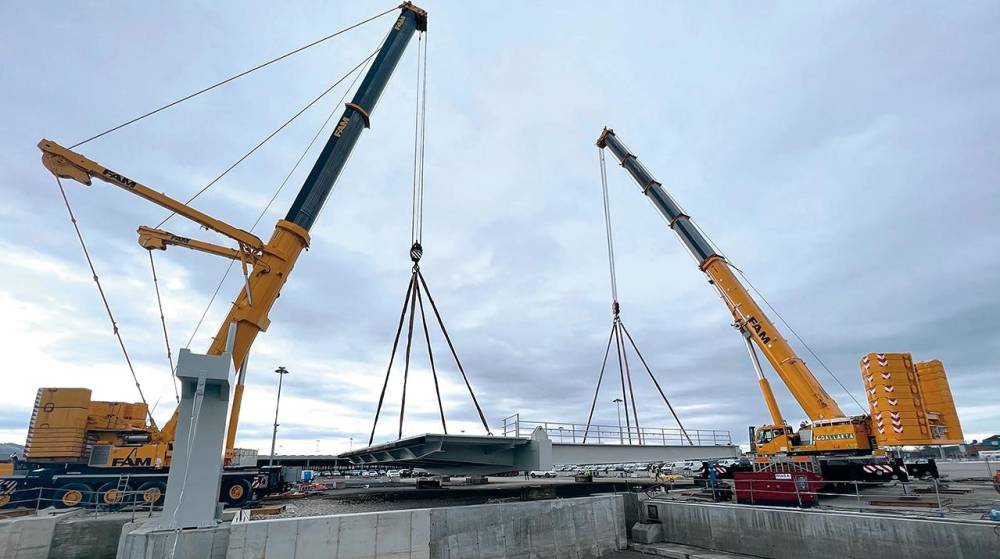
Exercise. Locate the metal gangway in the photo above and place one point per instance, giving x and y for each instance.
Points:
(579, 433)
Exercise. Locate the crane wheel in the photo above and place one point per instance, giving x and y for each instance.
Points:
(236, 492)
(151, 493)
(4, 500)
(112, 498)
(73, 495)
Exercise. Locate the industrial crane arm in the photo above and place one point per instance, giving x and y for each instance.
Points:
(158, 239)
(748, 316)
(68, 164)
(291, 235)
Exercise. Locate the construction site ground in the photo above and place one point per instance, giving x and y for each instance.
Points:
(966, 499)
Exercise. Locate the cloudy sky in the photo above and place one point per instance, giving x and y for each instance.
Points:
(843, 155)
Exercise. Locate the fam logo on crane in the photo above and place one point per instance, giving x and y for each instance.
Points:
(758, 329)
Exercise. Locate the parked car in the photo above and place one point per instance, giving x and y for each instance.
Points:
(392, 473)
(542, 473)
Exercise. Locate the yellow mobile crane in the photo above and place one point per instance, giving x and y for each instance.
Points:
(86, 452)
(910, 403)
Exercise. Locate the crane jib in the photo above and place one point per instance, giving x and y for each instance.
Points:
(328, 166)
(671, 211)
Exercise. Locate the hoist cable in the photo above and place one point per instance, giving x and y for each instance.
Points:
(618, 328)
(621, 372)
(163, 322)
(423, 137)
(419, 143)
(655, 382)
(628, 377)
(104, 299)
(272, 134)
(392, 356)
(274, 196)
(234, 77)
(416, 151)
(608, 233)
(799, 338)
(836, 379)
(454, 354)
(430, 356)
(409, 347)
(600, 377)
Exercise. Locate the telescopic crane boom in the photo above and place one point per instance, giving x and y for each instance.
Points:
(923, 414)
(751, 321)
(272, 261)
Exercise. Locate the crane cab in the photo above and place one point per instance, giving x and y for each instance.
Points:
(843, 435)
(772, 439)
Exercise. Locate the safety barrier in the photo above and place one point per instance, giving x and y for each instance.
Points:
(66, 497)
(580, 433)
(931, 497)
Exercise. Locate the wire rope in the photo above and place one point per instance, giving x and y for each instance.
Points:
(104, 299)
(232, 78)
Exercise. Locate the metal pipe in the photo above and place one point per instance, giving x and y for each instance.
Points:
(274, 434)
(765, 386)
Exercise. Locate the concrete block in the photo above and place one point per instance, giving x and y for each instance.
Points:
(619, 522)
(83, 537)
(237, 537)
(541, 534)
(317, 536)
(647, 533)
(564, 529)
(148, 543)
(823, 535)
(392, 535)
(420, 534)
(516, 531)
(358, 532)
(27, 537)
(586, 538)
(282, 534)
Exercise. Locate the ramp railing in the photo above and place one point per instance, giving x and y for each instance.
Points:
(579, 433)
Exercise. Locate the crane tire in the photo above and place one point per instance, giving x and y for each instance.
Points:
(74, 495)
(110, 498)
(151, 494)
(236, 492)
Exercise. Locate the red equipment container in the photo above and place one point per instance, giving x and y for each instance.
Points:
(777, 488)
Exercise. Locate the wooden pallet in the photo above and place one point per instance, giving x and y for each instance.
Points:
(942, 490)
(908, 502)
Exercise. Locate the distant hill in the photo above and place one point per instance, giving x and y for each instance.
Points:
(6, 449)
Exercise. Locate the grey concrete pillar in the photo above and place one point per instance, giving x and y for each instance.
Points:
(196, 467)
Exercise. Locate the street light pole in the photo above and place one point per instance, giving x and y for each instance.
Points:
(618, 403)
(274, 435)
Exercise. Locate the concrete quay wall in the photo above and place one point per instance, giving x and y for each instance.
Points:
(583, 527)
(780, 533)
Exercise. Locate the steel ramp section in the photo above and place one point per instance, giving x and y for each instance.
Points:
(456, 454)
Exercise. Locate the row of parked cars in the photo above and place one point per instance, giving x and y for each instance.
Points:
(401, 473)
(683, 467)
